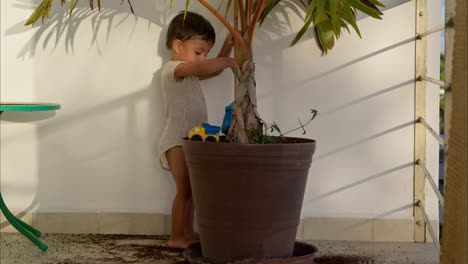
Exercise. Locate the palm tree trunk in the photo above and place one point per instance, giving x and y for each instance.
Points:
(245, 115)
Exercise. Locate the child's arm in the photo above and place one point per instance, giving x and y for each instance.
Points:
(223, 53)
(227, 47)
(204, 68)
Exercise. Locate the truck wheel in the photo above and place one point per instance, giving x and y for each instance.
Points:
(196, 138)
(211, 139)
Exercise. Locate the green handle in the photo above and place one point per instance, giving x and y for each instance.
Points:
(21, 226)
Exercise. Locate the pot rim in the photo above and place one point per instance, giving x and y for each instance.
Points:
(304, 141)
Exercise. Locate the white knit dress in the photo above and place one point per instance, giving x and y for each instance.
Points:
(185, 108)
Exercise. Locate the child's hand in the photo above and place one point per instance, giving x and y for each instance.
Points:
(234, 65)
(229, 41)
(227, 46)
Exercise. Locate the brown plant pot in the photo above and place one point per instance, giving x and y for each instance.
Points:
(248, 197)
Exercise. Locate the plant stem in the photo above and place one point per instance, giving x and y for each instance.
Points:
(242, 16)
(235, 34)
(249, 10)
(253, 22)
(302, 126)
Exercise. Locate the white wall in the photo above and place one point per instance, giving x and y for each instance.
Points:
(98, 153)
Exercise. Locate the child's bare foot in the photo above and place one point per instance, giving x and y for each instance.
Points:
(194, 236)
(178, 243)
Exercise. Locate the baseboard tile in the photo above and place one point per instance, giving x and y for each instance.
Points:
(362, 229)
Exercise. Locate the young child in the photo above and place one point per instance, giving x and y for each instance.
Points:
(189, 41)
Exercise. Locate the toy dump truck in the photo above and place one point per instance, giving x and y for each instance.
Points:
(205, 132)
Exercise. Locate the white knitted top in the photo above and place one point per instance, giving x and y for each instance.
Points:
(185, 108)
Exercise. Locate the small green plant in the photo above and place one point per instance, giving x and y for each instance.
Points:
(265, 137)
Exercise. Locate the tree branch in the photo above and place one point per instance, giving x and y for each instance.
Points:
(242, 16)
(235, 34)
(249, 10)
(253, 22)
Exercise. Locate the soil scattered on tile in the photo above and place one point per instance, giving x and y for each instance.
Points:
(342, 259)
(123, 249)
(116, 249)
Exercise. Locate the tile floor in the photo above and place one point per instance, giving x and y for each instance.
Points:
(99, 249)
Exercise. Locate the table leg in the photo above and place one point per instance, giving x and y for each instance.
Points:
(30, 232)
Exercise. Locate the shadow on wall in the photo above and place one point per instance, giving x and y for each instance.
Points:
(364, 140)
(138, 153)
(60, 25)
(60, 28)
(64, 165)
(362, 181)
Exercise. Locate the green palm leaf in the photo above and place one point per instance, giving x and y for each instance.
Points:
(362, 5)
(267, 9)
(326, 17)
(72, 5)
(311, 9)
(302, 31)
(349, 16)
(335, 16)
(326, 36)
(228, 7)
(375, 2)
(38, 12)
(329, 17)
(318, 13)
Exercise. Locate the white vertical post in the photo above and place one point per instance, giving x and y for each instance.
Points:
(419, 129)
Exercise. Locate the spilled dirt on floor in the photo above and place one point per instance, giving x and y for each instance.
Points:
(100, 249)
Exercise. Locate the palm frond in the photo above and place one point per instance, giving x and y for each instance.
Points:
(267, 9)
(39, 12)
(72, 5)
(329, 17)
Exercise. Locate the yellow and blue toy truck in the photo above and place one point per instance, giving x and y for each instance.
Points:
(205, 132)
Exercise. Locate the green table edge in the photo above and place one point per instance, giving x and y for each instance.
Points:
(28, 106)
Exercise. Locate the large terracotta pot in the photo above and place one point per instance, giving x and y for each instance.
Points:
(248, 197)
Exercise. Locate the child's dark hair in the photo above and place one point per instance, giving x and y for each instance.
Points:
(194, 25)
